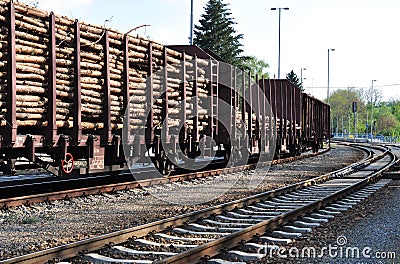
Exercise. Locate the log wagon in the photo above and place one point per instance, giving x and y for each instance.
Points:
(80, 99)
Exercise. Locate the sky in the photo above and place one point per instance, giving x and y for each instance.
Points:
(363, 33)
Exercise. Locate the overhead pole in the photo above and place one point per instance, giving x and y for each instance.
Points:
(191, 23)
(327, 95)
(279, 38)
(372, 110)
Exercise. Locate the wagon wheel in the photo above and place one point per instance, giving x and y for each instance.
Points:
(162, 163)
(67, 163)
(9, 168)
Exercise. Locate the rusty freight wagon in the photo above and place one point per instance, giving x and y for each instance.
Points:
(301, 120)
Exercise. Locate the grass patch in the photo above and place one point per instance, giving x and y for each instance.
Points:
(30, 220)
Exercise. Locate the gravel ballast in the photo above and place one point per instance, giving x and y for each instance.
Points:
(369, 232)
(41, 226)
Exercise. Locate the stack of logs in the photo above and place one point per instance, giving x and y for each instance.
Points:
(32, 34)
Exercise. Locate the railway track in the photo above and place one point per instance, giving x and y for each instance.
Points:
(36, 191)
(276, 216)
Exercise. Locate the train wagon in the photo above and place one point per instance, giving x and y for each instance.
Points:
(80, 99)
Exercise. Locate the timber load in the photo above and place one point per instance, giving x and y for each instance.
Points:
(63, 73)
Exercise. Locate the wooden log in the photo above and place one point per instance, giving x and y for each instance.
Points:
(65, 21)
(114, 90)
(62, 76)
(30, 76)
(64, 94)
(35, 22)
(34, 65)
(89, 80)
(30, 104)
(29, 116)
(138, 99)
(137, 92)
(30, 37)
(30, 44)
(30, 11)
(91, 73)
(92, 111)
(64, 63)
(30, 98)
(91, 93)
(92, 106)
(88, 45)
(65, 70)
(100, 63)
(137, 121)
(27, 69)
(138, 86)
(30, 110)
(118, 77)
(30, 27)
(68, 89)
(64, 82)
(30, 59)
(114, 69)
(89, 99)
(137, 48)
(92, 86)
(63, 36)
(63, 51)
(63, 104)
(115, 84)
(25, 89)
(91, 56)
(90, 65)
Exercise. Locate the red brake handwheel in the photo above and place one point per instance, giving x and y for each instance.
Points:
(67, 164)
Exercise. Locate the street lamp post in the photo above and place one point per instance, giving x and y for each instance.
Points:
(349, 125)
(327, 97)
(279, 45)
(191, 23)
(301, 74)
(372, 110)
(342, 127)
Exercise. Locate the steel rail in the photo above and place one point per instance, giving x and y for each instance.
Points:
(67, 194)
(214, 247)
(70, 250)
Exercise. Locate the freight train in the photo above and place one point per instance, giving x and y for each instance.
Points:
(82, 99)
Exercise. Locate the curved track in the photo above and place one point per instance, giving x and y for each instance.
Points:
(200, 235)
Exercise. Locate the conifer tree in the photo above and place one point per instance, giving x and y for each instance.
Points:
(292, 77)
(216, 32)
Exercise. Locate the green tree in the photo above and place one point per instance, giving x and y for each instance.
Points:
(395, 105)
(216, 32)
(256, 67)
(341, 107)
(386, 122)
(292, 77)
(387, 125)
(371, 96)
